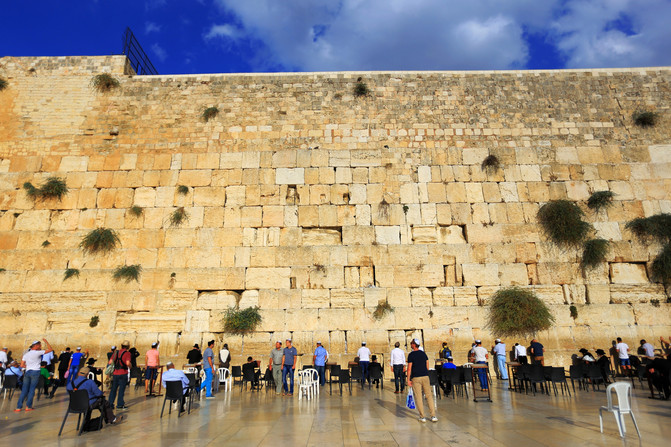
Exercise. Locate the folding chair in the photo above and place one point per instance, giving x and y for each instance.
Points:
(79, 404)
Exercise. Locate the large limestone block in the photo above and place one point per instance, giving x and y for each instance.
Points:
(638, 293)
(513, 274)
(597, 293)
(414, 317)
(177, 300)
(347, 298)
(272, 320)
(150, 322)
(219, 300)
(267, 278)
(326, 277)
(443, 296)
(249, 298)
(481, 274)
(660, 153)
(320, 236)
(209, 196)
(303, 319)
(626, 273)
(315, 298)
(453, 234)
(374, 296)
(607, 315)
(387, 235)
(336, 319)
(399, 297)
(430, 275)
(424, 234)
(33, 220)
(290, 176)
(652, 315)
(197, 321)
(465, 296)
(215, 279)
(421, 297)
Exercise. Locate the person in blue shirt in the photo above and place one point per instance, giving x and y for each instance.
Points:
(320, 358)
(76, 360)
(96, 398)
(288, 367)
(447, 386)
(14, 370)
(175, 375)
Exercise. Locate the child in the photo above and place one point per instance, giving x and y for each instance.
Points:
(44, 372)
(376, 382)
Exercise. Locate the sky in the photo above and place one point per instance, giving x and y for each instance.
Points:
(239, 36)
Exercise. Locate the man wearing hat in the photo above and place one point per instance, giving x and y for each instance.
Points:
(122, 362)
(364, 362)
(481, 356)
(288, 367)
(418, 379)
(176, 375)
(3, 358)
(31, 361)
(499, 350)
(194, 356)
(76, 360)
(275, 365)
(320, 358)
(96, 397)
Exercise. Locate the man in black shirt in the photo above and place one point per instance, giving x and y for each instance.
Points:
(418, 379)
(194, 356)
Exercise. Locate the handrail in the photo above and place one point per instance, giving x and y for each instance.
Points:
(136, 55)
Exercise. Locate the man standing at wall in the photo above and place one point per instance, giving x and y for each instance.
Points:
(501, 354)
(538, 352)
(418, 379)
(275, 365)
(364, 362)
(31, 362)
(288, 367)
(320, 358)
(397, 361)
(3, 358)
(76, 360)
(623, 354)
(151, 362)
(208, 367)
(121, 361)
(481, 356)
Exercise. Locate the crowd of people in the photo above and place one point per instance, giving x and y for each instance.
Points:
(411, 370)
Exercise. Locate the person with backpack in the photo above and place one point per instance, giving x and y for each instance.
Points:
(96, 398)
(121, 361)
(445, 353)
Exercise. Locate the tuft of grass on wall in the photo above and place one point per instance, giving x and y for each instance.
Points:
(561, 221)
(382, 309)
(361, 90)
(94, 321)
(210, 113)
(104, 82)
(490, 163)
(182, 190)
(241, 321)
(656, 227)
(3, 84)
(46, 243)
(127, 273)
(136, 211)
(644, 119)
(574, 311)
(178, 217)
(514, 311)
(660, 271)
(100, 240)
(600, 200)
(594, 253)
(52, 188)
(69, 273)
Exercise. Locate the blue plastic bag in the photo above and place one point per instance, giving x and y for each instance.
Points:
(410, 400)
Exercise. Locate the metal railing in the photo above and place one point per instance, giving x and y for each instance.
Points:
(136, 55)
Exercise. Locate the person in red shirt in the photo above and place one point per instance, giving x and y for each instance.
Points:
(121, 360)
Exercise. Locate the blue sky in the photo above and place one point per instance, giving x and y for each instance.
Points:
(222, 36)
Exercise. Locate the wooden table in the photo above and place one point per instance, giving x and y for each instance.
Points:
(476, 381)
(512, 374)
(159, 375)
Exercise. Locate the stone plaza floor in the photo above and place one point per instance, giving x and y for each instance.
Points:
(367, 417)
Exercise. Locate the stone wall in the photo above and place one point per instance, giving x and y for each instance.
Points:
(316, 205)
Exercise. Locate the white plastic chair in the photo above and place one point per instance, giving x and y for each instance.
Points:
(225, 378)
(190, 370)
(623, 390)
(314, 378)
(305, 384)
(91, 376)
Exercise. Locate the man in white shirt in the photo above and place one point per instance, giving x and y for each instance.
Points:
(499, 351)
(364, 361)
(3, 357)
(397, 361)
(31, 362)
(481, 356)
(623, 354)
(649, 350)
(521, 354)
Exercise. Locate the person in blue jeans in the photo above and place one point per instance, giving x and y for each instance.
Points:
(208, 367)
(364, 362)
(320, 358)
(31, 361)
(481, 356)
(76, 360)
(288, 366)
(121, 361)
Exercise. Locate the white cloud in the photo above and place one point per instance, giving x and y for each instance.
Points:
(151, 27)
(444, 34)
(159, 52)
(223, 31)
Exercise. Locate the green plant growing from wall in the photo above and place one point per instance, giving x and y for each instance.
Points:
(104, 82)
(182, 190)
(382, 309)
(644, 119)
(600, 200)
(562, 223)
(45, 244)
(53, 188)
(655, 303)
(100, 240)
(656, 228)
(490, 163)
(2, 270)
(574, 311)
(94, 321)
(69, 273)
(210, 113)
(127, 273)
(3, 84)
(660, 270)
(178, 217)
(136, 211)
(593, 253)
(241, 321)
(361, 90)
(514, 311)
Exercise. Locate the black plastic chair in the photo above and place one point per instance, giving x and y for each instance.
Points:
(446, 378)
(594, 376)
(268, 379)
(79, 404)
(522, 378)
(376, 373)
(9, 385)
(250, 376)
(40, 387)
(174, 392)
(577, 373)
(136, 373)
(433, 382)
(344, 378)
(558, 376)
(236, 373)
(459, 379)
(334, 376)
(356, 374)
(194, 388)
(537, 377)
